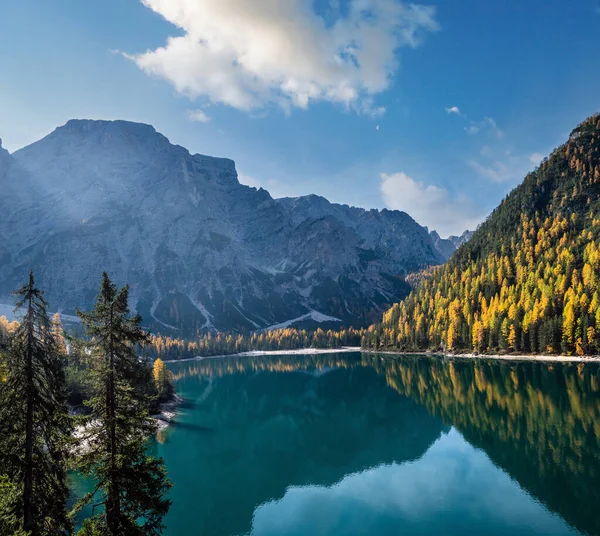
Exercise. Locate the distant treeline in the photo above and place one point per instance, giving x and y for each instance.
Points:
(212, 344)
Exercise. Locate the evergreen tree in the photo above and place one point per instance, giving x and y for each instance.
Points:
(10, 521)
(131, 485)
(34, 421)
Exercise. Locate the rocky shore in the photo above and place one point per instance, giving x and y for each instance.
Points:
(167, 412)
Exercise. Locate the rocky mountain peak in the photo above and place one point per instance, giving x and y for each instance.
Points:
(121, 137)
(4, 154)
(447, 246)
(199, 250)
(5, 160)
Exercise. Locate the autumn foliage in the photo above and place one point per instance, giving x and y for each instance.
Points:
(528, 281)
(212, 344)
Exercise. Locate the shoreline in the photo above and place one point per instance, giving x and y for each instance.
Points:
(257, 353)
(349, 349)
(167, 412)
(501, 357)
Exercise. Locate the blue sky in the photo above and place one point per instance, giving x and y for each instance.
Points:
(438, 108)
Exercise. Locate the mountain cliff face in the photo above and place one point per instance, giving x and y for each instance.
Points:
(447, 246)
(199, 250)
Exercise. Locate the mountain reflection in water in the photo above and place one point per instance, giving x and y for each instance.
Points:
(348, 443)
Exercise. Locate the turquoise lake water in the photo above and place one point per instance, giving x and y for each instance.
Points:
(360, 444)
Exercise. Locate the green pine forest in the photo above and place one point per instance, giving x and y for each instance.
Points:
(43, 375)
(528, 280)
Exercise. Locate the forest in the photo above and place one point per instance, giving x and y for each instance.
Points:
(43, 374)
(84, 404)
(528, 279)
(213, 344)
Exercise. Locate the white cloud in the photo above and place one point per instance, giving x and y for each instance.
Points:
(198, 115)
(491, 124)
(496, 161)
(507, 167)
(251, 54)
(429, 205)
(377, 127)
(368, 107)
(274, 186)
(500, 165)
(377, 112)
(497, 171)
(486, 125)
(249, 181)
(536, 158)
(475, 127)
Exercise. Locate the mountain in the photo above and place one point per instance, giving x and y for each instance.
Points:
(200, 250)
(290, 418)
(527, 280)
(458, 241)
(447, 246)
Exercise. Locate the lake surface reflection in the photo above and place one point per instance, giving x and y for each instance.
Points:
(345, 444)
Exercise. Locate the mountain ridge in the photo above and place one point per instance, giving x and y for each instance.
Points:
(200, 250)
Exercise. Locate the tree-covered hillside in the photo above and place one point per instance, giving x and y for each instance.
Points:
(528, 279)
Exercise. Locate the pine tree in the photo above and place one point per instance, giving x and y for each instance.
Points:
(34, 421)
(10, 522)
(130, 484)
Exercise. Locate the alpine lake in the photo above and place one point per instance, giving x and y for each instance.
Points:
(366, 444)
